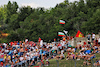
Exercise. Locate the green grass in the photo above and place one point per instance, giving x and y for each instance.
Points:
(71, 63)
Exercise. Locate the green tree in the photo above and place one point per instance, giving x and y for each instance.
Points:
(24, 12)
(3, 17)
(14, 24)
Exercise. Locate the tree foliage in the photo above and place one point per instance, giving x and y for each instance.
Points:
(32, 23)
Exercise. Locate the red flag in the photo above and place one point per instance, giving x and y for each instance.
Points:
(79, 34)
(36, 66)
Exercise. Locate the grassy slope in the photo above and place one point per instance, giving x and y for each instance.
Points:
(71, 63)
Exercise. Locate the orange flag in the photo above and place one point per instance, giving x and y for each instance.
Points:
(79, 34)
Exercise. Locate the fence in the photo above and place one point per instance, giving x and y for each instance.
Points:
(61, 63)
(54, 62)
(70, 63)
(26, 63)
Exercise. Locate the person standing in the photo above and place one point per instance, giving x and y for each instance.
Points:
(93, 37)
(89, 36)
(99, 41)
(96, 41)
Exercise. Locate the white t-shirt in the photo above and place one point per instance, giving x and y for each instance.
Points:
(26, 40)
(99, 40)
(81, 54)
(62, 51)
(84, 54)
(83, 48)
(63, 43)
(34, 50)
(69, 48)
(28, 58)
(6, 50)
(5, 44)
(36, 54)
(99, 61)
(73, 49)
(21, 58)
(31, 55)
(32, 47)
(95, 46)
(47, 46)
(15, 51)
(27, 53)
(78, 43)
(63, 55)
(17, 46)
(93, 35)
(50, 45)
(54, 48)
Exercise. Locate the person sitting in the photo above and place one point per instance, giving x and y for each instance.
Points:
(82, 55)
(62, 56)
(96, 62)
(32, 62)
(71, 56)
(69, 50)
(47, 62)
(88, 62)
(85, 62)
(99, 49)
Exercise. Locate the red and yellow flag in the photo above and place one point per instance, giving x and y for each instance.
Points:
(79, 34)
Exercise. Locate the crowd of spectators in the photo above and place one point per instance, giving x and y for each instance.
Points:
(29, 53)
